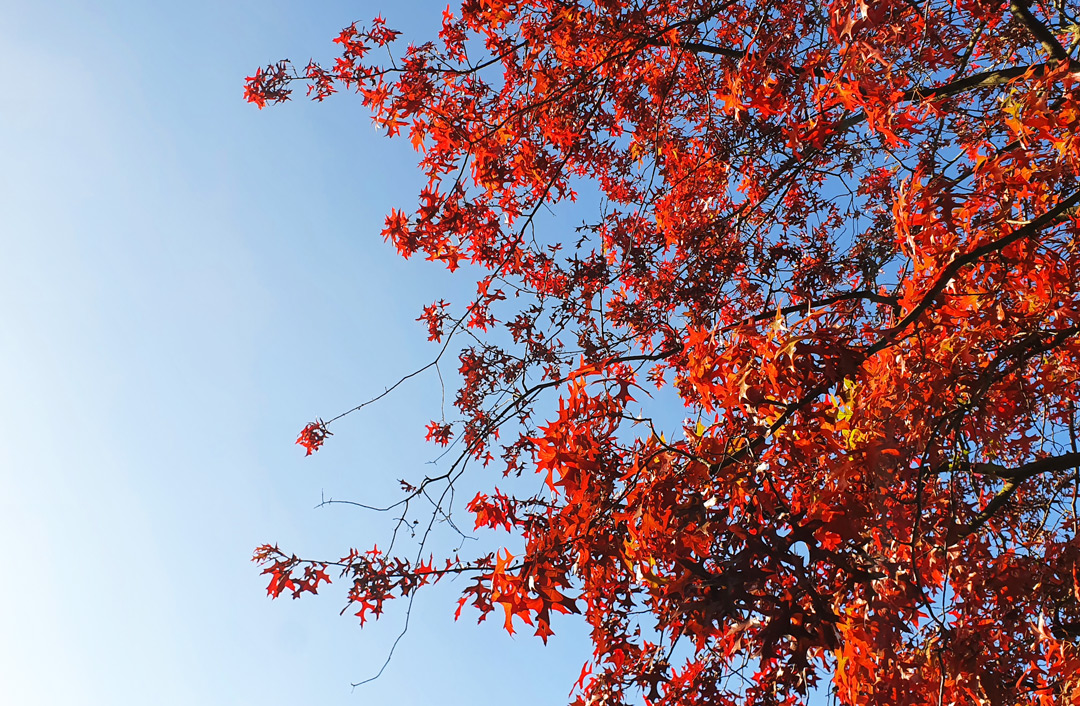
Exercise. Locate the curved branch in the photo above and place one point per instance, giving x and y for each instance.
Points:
(1022, 9)
(1028, 470)
(948, 274)
(1014, 478)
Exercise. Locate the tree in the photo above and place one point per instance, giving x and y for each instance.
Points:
(846, 234)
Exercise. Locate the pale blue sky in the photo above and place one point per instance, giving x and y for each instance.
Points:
(184, 282)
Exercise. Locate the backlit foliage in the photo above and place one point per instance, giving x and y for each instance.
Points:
(846, 234)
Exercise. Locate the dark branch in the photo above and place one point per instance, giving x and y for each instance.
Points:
(1014, 478)
(983, 79)
(817, 303)
(1022, 9)
(1064, 207)
(1028, 470)
(700, 48)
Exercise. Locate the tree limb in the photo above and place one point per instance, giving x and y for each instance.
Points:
(1013, 477)
(1022, 9)
(700, 48)
(1064, 207)
(1028, 470)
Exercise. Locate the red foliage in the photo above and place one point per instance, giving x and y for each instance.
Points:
(313, 436)
(846, 235)
(440, 433)
(290, 573)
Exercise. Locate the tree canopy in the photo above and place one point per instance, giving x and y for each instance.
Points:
(845, 233)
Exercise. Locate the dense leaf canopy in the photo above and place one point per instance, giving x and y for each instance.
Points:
(846, 234)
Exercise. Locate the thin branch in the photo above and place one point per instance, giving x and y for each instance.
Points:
(817, 303)
(393, 647)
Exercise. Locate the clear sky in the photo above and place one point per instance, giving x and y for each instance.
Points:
(185, 281)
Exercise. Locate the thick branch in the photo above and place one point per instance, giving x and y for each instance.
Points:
(1028, 470)
(700, 48)
(1022, 9)
(1013, 477)
(752, 447)
(948, 274)
(983, 79)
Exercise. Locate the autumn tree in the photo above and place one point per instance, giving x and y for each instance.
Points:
(846, 235)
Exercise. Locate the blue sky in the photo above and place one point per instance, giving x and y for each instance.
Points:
(185, 281)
